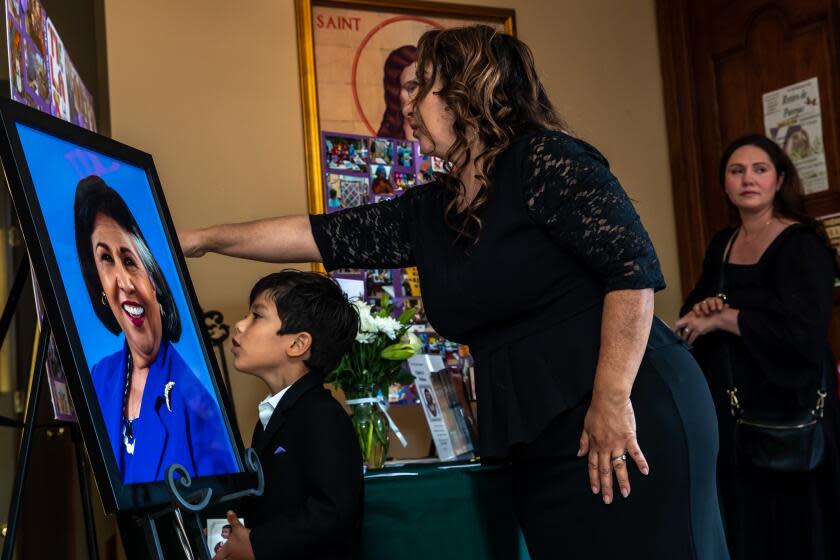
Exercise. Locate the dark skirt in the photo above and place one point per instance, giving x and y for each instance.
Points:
(671, 513)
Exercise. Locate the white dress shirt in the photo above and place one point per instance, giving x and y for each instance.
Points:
(268, 405)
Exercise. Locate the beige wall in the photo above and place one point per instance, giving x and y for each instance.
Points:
(211, 89)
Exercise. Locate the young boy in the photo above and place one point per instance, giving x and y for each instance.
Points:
(298, 326)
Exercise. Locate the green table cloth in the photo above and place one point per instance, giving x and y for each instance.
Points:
(445, 510)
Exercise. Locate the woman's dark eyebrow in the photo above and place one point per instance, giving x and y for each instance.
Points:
(129, 250)
(122, 250)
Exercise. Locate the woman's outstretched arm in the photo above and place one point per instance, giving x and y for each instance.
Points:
(286, 239)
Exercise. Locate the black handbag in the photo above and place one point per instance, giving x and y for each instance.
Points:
(792, 442)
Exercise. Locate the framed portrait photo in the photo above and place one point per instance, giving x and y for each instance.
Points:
(356, 62)
(123, 313)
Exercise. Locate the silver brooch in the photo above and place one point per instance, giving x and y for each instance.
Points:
(166, 391)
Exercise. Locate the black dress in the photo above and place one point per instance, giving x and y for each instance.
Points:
(784, 304)
(558, 232)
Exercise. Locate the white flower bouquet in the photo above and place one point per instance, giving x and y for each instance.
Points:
(375, 361)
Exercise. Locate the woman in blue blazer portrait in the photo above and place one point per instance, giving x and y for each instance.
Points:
(156, 411)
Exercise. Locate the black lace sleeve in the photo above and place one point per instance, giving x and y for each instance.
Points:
(369, 236)
(569, 189)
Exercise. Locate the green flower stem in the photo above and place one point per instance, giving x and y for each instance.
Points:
(369, 446)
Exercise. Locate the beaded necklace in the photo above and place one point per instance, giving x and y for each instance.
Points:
(128, 425)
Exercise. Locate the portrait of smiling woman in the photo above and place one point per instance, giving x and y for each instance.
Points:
(155, 409)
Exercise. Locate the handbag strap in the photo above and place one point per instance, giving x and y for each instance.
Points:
(732, 391)
(722, 276)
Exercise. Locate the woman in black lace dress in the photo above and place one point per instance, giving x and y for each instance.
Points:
(530, 251)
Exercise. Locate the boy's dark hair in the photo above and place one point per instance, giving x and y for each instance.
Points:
(312, 302)
(228, 526)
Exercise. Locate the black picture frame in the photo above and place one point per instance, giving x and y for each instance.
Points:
(116, 495)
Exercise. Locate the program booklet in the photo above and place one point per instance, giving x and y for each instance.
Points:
(444, 414)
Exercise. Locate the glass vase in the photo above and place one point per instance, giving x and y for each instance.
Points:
(371, 428)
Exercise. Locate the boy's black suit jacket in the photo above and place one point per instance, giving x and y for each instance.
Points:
(313, 499)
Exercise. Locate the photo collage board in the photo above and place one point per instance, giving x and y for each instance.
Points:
(366, 169)
(41, 73)
(43, 76)
(363, 169)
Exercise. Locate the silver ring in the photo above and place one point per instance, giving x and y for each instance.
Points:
(622, 458)
(686, 330)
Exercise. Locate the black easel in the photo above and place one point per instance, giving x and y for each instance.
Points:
(185, 511)
(29, 426)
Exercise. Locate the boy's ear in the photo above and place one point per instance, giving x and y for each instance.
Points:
(300, 345)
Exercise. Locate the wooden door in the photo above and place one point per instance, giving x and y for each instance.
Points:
(718, 58)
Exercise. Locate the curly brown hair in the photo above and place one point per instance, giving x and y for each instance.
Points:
(489, 82)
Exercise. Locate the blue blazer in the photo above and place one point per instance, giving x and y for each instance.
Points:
(191, 434)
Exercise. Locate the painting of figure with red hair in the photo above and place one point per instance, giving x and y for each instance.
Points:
(363, 63)
(399, 83)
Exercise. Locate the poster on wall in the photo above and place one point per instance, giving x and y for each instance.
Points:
(793, 119)
(365, 57)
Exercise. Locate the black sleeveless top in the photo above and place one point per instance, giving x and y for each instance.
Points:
(558, 232)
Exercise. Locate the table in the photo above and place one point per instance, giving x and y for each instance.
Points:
(441, 511)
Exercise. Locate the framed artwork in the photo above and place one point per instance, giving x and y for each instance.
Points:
(356, 59)
(126, 323)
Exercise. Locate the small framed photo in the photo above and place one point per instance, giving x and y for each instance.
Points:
(410, 282)
(60, 393)
(218, 533)
(425, 174)
(345, 191)
(403, 181)
(380, 180)
(438, 165)
(346, 153)
(379, 280)
(405, 154)
(381, 151)
(351, 283)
